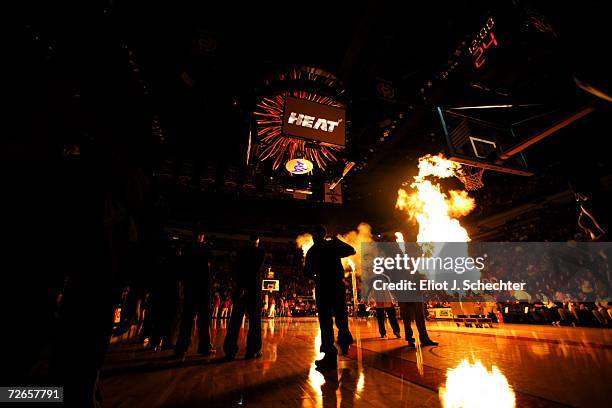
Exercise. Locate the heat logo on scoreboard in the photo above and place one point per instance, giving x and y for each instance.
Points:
(307, 121)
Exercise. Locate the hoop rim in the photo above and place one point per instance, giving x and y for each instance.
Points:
(471, 176)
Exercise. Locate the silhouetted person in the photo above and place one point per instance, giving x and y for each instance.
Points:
(164, 300)
(247, 299)
(324, 266)
(216, 306)
(384, 305)
(389, 310)
(195, 276)
(415, 311)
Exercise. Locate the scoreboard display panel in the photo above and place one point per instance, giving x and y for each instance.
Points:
(482, 42)
(508, 50)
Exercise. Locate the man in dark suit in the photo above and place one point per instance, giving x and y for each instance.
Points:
(195, 278)
(414, 310)
(324, 266)
(247, 299)
(384, 306)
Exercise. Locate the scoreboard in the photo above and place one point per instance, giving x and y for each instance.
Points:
(481, 42)
(506, 50)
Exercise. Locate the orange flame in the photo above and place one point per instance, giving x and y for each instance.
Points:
(435, 211)
(304, 242)
(472, 385)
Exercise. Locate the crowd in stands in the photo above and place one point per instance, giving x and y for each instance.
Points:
(504, 192)
(556, 296)
(283, 263)
(585, 314)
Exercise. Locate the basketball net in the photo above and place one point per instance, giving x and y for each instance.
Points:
(471, 177)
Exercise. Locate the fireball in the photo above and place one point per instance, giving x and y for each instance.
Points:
(473, 386)
(435, 211)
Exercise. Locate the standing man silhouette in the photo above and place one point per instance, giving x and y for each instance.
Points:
(247, 299)
(195, 276)
(414, 310)
(384, 305)
(324, 266)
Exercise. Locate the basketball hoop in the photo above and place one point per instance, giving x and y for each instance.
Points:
(471, 177)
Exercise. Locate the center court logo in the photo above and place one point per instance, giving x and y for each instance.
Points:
(299, 119)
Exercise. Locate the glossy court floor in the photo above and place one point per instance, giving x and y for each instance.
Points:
(525, 365)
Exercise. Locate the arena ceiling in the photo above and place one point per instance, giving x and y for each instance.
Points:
(197, 71)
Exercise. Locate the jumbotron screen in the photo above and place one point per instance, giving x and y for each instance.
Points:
(314, 121)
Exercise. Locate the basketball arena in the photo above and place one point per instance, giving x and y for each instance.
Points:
(276, 204)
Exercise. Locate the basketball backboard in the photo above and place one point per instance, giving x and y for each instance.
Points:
(479, 143)
(271, 285)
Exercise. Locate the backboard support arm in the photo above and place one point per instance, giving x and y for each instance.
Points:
(544, 134)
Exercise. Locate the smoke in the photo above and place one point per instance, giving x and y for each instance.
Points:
(363, 234)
